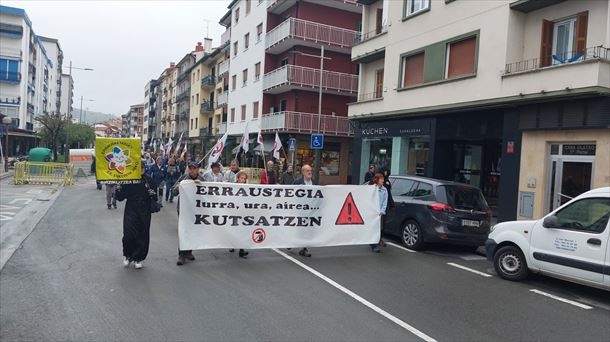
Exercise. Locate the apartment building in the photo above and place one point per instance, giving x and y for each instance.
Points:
(275, 50)
(183, 93)
(66, 95)
(168, 98)
(509, 96)
(133, 121)
(152, 128)
(56, 56)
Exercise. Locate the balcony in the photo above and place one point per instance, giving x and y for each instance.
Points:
(306, 123)
(183, 77)
(595, 53)
(205, 132)
(370, 46)
(223, 68)
(10, 77)
(208, 81)
(207, 106)
(225, 37)
(222, 99)
(183, 96)
(291, 77)
(377, 95)
(308, 33)
(527, 6)
(279, 6)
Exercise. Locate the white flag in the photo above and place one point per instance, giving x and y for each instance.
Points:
(259, 140)
(183, 151)
(217, 150)
(170, 143)
(162, 148)
(179, 142)
(245, 140)
(277, 146)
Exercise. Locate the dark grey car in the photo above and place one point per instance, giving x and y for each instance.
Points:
(429, 211)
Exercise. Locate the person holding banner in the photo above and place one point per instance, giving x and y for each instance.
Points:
(242, 178)
(231, 175)
(379, 181)
(268, 176)
(213, 174)
(136, 219)
(193, 174)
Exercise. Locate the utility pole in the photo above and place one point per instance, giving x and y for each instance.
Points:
(318, 152)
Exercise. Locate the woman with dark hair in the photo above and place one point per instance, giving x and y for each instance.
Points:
(378, 181)
(136, 219)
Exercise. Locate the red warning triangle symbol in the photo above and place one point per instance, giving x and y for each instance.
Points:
(349, 213)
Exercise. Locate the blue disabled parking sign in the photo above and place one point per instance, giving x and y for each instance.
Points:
(317, 141)
(292, 144)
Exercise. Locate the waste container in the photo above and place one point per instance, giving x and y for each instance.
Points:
(40, 154)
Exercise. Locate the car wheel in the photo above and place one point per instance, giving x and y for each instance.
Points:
(412, 236)
(510, 263)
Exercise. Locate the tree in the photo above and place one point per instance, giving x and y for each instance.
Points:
(79, 135)
(53, 125)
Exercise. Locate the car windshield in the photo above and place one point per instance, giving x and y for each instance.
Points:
(461, 197)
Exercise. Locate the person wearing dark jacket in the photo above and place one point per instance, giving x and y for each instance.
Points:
(388, 187)
(370, 174)
(172, 174)
(307, 179)
(157, 173)
(192, 174)
(98, 185)
(136, 219)
(288, 176)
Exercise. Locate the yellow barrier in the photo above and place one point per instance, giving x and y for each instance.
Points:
(43, 173)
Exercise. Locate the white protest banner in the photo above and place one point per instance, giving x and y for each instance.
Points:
(225, 215)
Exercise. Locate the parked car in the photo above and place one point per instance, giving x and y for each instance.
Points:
(570, 243)
(437, 211)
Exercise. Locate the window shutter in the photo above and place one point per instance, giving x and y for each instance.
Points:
(581, 30)
(462, 57)
(546, 45)
(413, 70)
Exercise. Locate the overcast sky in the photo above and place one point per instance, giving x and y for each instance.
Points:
(126, 42)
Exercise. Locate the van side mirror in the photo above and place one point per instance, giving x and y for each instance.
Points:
(550, 222)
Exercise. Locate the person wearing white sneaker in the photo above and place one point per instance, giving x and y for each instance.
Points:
(126, 262)
(138, 265)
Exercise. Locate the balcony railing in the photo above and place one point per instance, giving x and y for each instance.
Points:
(310, 78)
(208, 81)
(306, 123)
(310, 31)
(361, 37)
(207, 106)
(10, 77)
(225, 37)
(222, 98)
(588, 54)
(223, 68)
(183, 77)
(183, 96)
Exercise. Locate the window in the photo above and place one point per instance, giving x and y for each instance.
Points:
(589, 215)
(379, 21)
(233, 82)
(235, 46)
(245, 77)
(564, 41)
(282, 105)
(413, 70)
(255, 110)
(415, 6)
(284, 62)
(232, 114)
(423, 189)
(196, 123)
(236, 14)
(243, 113)
(259, 32)
(379, 84)
(401, 186)
(257, 71)
(9, 70)
(248, 5)
(191, 124)
(197, 99)
(246, 41)
(461, 58)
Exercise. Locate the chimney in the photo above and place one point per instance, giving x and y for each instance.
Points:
(207, 45)
(199, 47)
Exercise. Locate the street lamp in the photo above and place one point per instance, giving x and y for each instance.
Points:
(80, 114)
(70, 84)
(6, 121)
(318, 152)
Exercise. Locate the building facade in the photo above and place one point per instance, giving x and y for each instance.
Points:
(151, 127)
(66, 95)
(55, 54)
(168, 97)
(500, 95)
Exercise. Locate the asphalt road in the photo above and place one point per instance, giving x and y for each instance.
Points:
(67, 283)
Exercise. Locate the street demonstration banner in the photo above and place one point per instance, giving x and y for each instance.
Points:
(117, 160)
(227, 215)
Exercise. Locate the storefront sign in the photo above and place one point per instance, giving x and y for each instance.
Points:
(578, 149)
(378, 129)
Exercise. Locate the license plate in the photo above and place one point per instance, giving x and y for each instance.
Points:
(470, 223)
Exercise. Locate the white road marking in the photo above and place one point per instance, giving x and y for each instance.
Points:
(472, 257)
(363, 301)
(26, 200)
(567, 301)
(400, 247)
(469, 270)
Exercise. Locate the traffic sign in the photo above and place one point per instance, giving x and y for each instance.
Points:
(292, 144)
(317, 141)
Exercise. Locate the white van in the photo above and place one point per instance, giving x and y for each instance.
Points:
(571, 243)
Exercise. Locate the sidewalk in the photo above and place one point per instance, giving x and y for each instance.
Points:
(6, 174)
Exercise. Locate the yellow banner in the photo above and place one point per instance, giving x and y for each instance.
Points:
(117, 160)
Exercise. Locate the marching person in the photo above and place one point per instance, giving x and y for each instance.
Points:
(192, 174)
(242, 178)
(213, 174)
(379, 181)
(231, 175)
(288, 176)
(307, 179)
(171, 176)
(98, 185)
(268, 176)
(136, 219)
(158, 176)
(111, 195)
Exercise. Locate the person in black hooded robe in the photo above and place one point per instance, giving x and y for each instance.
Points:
(136, 219)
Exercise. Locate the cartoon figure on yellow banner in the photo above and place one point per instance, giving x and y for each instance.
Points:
(118, 159)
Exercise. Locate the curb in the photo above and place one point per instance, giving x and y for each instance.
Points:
(4, 175)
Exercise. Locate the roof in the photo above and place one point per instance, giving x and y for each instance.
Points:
(16, 11)
(226, 19)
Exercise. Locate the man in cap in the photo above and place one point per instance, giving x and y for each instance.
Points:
(192, 174)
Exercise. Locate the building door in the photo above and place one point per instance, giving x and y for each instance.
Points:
(571, 172)
(379, 83)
